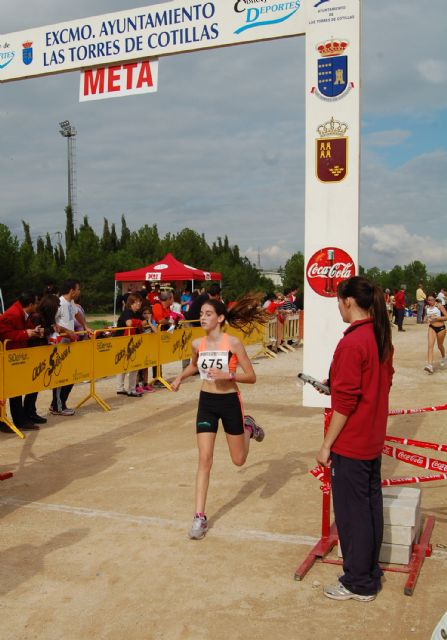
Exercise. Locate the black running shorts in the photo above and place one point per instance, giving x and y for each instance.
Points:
(220, 406)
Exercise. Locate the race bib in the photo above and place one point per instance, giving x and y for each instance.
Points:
(212, 360)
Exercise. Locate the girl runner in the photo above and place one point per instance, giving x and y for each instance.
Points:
(216, 357)
(435, 316)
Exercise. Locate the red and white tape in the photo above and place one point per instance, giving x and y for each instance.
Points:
(415, 459)
(417, 443)
(400, 412)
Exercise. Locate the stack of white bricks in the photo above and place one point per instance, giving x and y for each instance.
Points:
(402, 523)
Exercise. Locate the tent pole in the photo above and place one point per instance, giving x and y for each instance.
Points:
(114, 305)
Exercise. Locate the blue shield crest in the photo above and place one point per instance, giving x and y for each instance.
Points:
(332, 75)
(27, 53)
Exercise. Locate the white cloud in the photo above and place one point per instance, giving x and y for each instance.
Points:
(393, 244)
(389, 138)
(271, 257)
(434, 71)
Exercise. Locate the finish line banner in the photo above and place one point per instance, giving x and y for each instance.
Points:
(156, 30)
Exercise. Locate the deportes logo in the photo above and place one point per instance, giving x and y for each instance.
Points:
(6, 55)
(262, 13)
(327, 268)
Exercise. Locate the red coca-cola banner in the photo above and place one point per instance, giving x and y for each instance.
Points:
(326, 268)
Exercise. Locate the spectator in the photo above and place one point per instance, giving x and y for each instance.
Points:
(131, 320)
(441, 297)
(65, 324)
(16, 327)
(420, 302)
(148, 326)
(154, 295)
(399, 306)
(389, 302)
(185, 300)
(122, 298)
(161, 314)
(214, 293)
(45, 317)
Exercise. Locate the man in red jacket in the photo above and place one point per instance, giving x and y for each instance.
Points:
(399, 306)
(17, 328)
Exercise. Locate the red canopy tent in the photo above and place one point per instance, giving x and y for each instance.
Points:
(166, 270)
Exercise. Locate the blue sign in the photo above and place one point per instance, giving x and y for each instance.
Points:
(333, 76)
(27, 53)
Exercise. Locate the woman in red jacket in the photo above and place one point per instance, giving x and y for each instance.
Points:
(360, 380)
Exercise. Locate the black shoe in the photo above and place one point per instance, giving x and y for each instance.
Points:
(121, 393)
(37, 419)
(28, 426)
(134, 394)
(401, 329)
(4, 428)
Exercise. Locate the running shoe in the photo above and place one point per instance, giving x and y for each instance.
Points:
(199, 528)
(134, 394)
(428, 368)
(442, 363)
(340, 592)
(148, 388)
(139, 389)
(257, 432)
(63, 412)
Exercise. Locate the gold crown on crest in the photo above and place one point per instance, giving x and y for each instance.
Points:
(332, 47)
(27, 45)
(332, 128)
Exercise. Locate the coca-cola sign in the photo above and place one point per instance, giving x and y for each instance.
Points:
(327, 268)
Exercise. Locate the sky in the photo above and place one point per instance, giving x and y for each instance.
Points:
(220, 147)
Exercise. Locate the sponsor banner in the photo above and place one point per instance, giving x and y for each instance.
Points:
(130, 79)
(39, 368)
(176, 345)
(151, 31)
(124, 353)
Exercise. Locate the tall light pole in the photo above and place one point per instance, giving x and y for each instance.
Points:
(68, 131)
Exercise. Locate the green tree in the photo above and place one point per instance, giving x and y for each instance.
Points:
(294, 271)
(70, 235)
(144, 244)
(11, 274)
(125, 233)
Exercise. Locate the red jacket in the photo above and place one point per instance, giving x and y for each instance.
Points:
(360, 386)
(399, 299)
(13, 326)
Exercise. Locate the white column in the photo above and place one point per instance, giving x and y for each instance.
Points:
(332, 176)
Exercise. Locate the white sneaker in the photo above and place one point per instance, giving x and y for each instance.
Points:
(428, 368)
(442, 363)
(340, 592)
(199, 528)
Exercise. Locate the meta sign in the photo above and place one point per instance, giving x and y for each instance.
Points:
(146, 32)
(132, 78)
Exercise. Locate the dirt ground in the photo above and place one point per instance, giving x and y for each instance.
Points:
(94, 521)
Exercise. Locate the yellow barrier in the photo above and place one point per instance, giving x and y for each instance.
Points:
(36, 369)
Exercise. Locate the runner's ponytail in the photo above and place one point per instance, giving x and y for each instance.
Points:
(245, 313)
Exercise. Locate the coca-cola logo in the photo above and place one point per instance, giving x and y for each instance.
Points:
(327, 268)
(410, 458)
(437, 464)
